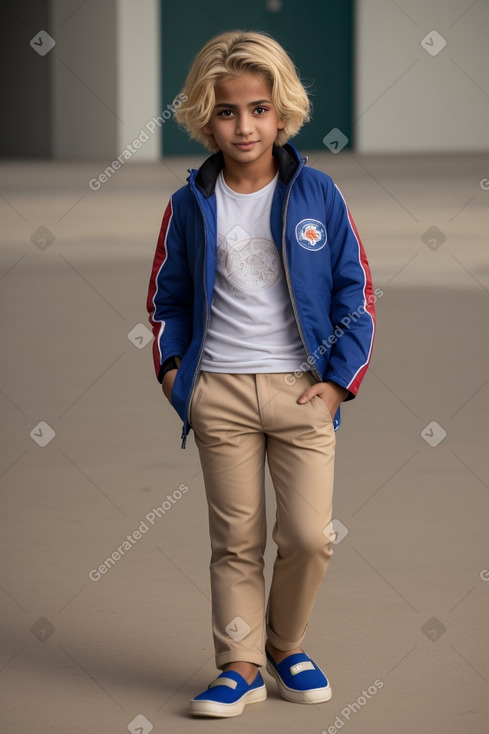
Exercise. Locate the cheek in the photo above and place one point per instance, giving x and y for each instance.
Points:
(224, 130)
(274, 123)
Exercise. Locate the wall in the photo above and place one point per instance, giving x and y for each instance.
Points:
(90, 95)
(84, 79)
(408, 100)
(105, 77)
(25, 125)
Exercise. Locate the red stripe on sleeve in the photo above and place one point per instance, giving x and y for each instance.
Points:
(369, 302)
(158, 262)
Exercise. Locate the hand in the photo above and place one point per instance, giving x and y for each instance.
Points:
(331, 393)
(167, 384)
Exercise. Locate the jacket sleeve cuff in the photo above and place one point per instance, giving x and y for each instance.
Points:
(167, 365)
(334, 377)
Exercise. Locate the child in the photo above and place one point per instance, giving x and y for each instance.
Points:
(262, 309)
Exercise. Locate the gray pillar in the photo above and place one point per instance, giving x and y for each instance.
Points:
(84, 79)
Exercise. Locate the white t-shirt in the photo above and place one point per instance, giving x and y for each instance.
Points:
(252, 326)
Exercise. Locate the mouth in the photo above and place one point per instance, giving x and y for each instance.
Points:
(246, 146)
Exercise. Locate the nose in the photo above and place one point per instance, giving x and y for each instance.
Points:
(244, 124)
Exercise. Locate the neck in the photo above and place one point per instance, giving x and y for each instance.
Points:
(245, 178)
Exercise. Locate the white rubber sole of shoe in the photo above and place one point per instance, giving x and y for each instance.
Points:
(225, 710)
(314, 695)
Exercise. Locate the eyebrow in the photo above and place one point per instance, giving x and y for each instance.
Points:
(235, 106)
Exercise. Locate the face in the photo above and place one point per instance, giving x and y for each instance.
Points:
(244, 121)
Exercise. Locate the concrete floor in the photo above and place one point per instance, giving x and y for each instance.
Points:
(403, 612)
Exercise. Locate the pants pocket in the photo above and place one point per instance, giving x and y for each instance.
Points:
(196, 397)
(321, 405)
(317, 402)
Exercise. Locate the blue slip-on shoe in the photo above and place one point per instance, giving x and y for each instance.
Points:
(299, 679)
(228, 695)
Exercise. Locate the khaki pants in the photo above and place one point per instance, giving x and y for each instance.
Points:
(240, 420)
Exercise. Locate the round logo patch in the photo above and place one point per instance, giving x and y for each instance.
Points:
(311, 234)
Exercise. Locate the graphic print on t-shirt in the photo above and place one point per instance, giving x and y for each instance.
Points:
(248, 263)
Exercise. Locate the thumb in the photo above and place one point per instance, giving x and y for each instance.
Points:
(308, 394)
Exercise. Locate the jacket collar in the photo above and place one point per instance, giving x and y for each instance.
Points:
(205, 177)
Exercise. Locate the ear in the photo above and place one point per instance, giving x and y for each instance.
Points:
(207, 130)
(280, 124)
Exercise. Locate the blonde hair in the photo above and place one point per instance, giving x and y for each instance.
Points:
(232, 54)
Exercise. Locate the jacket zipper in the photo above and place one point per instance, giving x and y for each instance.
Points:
(287, 275)
(202, 345)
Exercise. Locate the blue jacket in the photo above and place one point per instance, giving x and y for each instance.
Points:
(325, 266)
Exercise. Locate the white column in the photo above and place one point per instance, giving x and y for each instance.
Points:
(138, 76)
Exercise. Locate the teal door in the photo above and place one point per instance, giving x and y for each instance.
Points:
(318, 36)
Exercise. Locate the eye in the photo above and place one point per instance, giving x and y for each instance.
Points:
(225, 113)
(260, 110)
